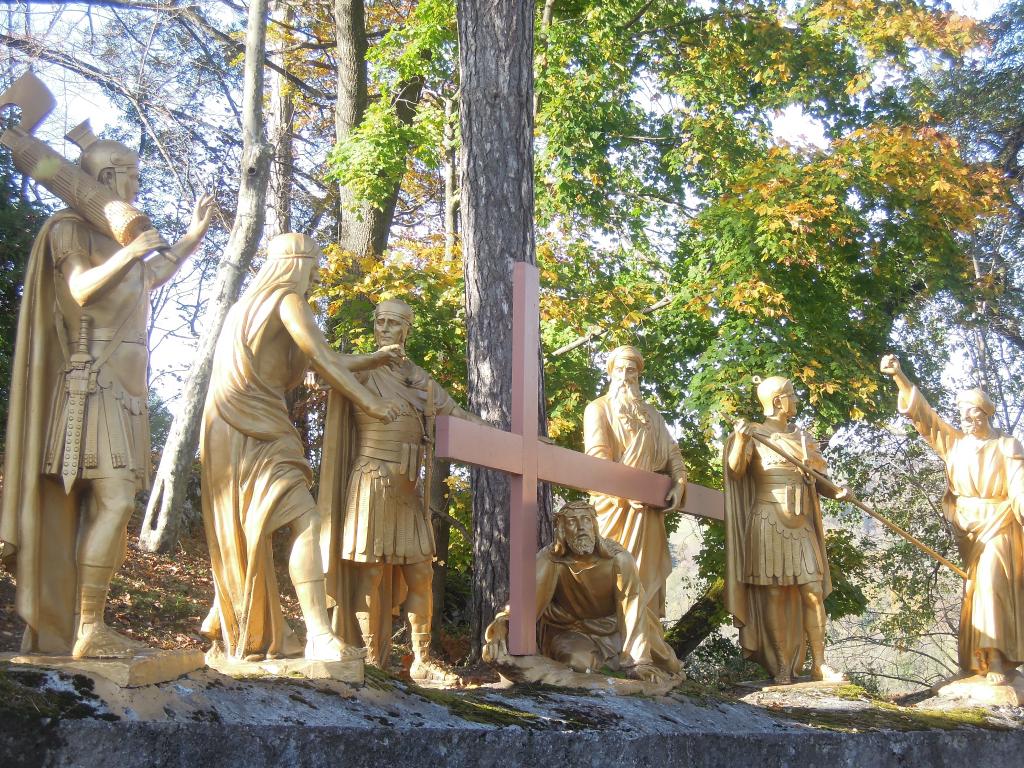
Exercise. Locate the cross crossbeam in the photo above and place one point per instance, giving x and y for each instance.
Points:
(528, 459)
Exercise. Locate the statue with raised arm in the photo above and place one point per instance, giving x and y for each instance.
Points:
(78, 424)
(984, 503)
(620, 426)
(591, 607)
(777, 575)
(255, 476)
(380, 548)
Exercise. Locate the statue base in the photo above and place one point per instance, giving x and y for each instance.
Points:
(802, 683)
(975, 689)
(347, 671)
(541, 669)
(147, 667)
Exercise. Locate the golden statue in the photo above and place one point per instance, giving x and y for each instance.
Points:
(984, 502)
(592, 611)
(620, 426)
(255, 477)
(78, 423)
(777, 575)
(380, 547)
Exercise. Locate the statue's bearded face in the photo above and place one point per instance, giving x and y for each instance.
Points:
(975, 422)
(578, 530)
(625, 379)
(389, 330)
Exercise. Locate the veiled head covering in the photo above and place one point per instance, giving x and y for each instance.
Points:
(292, 245)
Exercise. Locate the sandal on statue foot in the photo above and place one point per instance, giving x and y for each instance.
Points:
(432, 672)
(98, 641)
(329, 647)
(826, 674)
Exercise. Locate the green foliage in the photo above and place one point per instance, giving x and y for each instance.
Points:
(160, 419)
(719, 662)
(847, 563)
(659, 175)
(371, 160)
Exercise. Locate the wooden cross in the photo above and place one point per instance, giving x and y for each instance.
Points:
(529, 460)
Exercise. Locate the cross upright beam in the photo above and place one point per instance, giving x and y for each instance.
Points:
(525, 422)
(528, 460)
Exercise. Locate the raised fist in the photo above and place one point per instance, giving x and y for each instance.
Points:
(890, 365)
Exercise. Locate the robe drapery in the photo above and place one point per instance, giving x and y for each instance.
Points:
(599, 609)
(745, 524)
(646, 445)
(255, 479)
(984, 502)
(38, 518)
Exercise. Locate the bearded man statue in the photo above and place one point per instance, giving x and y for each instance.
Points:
(984, 503)
(591, 607)
(620, 426)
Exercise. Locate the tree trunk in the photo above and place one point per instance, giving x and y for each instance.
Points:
(440, 496)
(356, 222)
(450, 170)
(279, 130)
(703, 618)
(496, 74)
(363, 229)
(159, 529)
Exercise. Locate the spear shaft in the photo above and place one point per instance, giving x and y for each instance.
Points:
(820, 478)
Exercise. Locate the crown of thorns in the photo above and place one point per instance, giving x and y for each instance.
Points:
(575, 506)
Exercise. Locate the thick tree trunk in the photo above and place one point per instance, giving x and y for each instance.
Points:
(279, 131)
(703, 618)
(357, 223)
(496, 74)
(159, 529)
(363, 229)
(451, 188)
(440, 497)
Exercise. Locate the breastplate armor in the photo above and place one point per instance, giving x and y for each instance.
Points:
(398, 442)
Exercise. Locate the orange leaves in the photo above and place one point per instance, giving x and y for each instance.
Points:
(887, 28)
(806, 204)
(756, 297)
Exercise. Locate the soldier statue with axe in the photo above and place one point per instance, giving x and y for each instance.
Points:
(78, 432)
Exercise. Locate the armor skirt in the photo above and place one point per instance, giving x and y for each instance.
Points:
(384, 517)
(113, 435)
(780, 554)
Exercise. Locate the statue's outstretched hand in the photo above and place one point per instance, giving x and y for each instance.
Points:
(384, 410)
(202, 215)
(390, 355)
(890, 365)
(649, 672)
